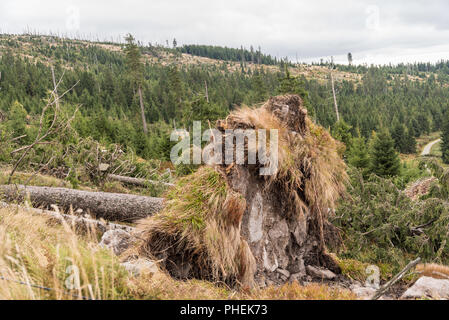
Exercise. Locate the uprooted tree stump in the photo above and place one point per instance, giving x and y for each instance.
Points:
(228, 223)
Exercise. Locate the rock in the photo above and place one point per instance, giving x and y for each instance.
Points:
(270, 264)
(427, 287)
(255, 223)
(298, 267)
(296, 277)
(283, 272)
(363, 293)
(117, 240)
(320, 273)
(140, 266)
(103, 167)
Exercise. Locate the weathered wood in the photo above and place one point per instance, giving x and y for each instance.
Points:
(78, 222)
(335, 97)
(109, 206)
(137, 181)
(379, 293)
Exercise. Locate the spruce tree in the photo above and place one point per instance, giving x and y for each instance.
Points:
(136, 72)
(385, 161)
(410, 143)
(342, 132)
(17, 119)
(399, 137)
(358, 155)
(445, 139)
(293, 85)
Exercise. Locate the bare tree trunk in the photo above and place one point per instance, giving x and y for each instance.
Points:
(137, 181)
(142, 110)
(109, 206)
(335, 97)
(55, 92)
(207, 91)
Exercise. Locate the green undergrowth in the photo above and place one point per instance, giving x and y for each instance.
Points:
(380, 225)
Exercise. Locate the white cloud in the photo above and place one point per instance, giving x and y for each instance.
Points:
(374, 31)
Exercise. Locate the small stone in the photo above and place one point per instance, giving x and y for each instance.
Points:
(270, 282)
(140, 266)
(296, 277)
(298, 267)
(283, 272)
(427, 287)
(117, 240)
(320, 273)
(103, 167)
(364, 293)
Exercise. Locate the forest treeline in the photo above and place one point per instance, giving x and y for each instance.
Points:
(174, 95)
(229, 54)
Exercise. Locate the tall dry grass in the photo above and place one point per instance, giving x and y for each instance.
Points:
(35, 251)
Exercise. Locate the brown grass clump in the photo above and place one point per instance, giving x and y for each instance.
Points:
(197, 235)
(433, 270)
(36, 252)
(162, 286)
(294, 291)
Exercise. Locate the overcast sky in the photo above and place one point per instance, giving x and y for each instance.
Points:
(377, 32)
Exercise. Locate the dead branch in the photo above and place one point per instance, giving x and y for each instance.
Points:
(53, 128)
(395, 279)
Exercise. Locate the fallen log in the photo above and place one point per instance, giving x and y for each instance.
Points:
(108, 206)
(138, 182)
(78, 222)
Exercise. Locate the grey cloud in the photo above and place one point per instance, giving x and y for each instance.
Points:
(309, 29)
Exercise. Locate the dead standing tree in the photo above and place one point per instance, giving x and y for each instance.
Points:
(55, 125)
(335, 97)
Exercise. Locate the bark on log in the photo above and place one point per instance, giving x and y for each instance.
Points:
(137, 181)
(108, 206)
(78, 222)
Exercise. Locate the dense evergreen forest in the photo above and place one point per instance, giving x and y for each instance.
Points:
(229, 54)
(406, 104)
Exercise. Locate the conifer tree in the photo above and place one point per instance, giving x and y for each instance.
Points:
(259, 87)
(17, 119)
(342, 132)
(292, 85)
(385, 161)
(136, 71)
(358, 156)
(445, 140)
